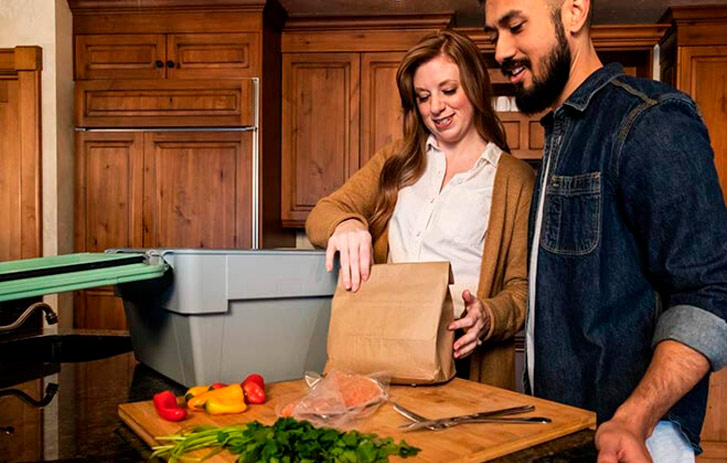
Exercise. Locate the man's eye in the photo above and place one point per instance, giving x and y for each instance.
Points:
(516, 28)
(493, 38)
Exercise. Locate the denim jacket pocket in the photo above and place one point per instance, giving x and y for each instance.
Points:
(572, 214)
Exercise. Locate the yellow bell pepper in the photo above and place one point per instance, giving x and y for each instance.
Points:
(232, 392)
(194, 392)
(224, 406)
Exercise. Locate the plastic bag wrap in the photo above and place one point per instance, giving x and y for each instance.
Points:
(338, 399)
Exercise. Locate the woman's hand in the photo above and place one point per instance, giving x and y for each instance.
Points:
(475, 323)
(352, 241)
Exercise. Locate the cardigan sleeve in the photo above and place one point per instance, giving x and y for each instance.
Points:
(507, 307)
(356, 199)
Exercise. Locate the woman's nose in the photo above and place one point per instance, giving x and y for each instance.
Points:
(436, 104)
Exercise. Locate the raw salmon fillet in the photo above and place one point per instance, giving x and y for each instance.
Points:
(338, 393)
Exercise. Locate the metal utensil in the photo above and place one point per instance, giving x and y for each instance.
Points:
(448, 424)
(415, 417)
(491, 416)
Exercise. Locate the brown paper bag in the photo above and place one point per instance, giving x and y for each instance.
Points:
(395, 323)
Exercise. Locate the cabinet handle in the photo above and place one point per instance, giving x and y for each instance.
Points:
(160, 63)
(170, 64)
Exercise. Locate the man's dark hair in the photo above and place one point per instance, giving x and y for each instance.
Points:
(589, 21)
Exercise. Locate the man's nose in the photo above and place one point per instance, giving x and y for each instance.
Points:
(504, 48)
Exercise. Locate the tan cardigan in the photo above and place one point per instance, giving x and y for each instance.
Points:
(503, 276)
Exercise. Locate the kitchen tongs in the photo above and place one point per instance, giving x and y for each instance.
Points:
(491, 416)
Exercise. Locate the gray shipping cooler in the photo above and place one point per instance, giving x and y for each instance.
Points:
(223, 314)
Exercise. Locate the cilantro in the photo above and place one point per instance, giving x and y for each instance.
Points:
(286, 441)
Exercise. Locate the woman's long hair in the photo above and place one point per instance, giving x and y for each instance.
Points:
(407, 165)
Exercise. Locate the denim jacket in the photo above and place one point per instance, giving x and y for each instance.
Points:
(633, 245)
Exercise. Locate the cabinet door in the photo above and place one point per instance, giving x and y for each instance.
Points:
(22, 423)
(320, 134)
(524, 134)
(107, 214)
(120, 56)
(702, 74)
(213, 56)
(197, 189)
(381, 115)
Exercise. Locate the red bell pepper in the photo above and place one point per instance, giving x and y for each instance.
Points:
(167, 408)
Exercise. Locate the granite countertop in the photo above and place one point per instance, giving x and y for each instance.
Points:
(59, 399)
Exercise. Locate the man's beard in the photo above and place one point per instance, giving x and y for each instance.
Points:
(546, 90)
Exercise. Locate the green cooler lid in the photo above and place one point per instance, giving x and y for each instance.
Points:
(70, 272)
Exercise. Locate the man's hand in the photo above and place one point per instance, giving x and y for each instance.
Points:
(674, 370)
(617, 441)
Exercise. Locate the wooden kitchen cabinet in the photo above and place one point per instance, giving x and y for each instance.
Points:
(197, 190)
(381, 114)
(167, 56)
(20, 153)
(175, 98)
(320, 137)
(179, 103)
(158, 189)
(340, 100)
(694, 60)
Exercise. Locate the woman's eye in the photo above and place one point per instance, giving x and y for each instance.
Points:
(422, 98)
(450, 91)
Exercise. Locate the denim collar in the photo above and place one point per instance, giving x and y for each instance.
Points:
(580, 99)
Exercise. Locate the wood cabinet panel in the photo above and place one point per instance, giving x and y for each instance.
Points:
(20, 153)
(381, 114)
(10, 179)
(99, 309)
(108, 214)
(26, 441)
(524, 134)
(320, 137)
(108, 190)
(120, 56)
(140, 103)
(714, 430)
(704, 77)
(213, 56)
(197, 189)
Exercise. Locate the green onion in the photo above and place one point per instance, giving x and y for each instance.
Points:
(286, 441)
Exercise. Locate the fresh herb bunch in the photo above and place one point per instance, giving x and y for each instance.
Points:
(286, 441)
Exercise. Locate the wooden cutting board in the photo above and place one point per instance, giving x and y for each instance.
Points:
(467, 443)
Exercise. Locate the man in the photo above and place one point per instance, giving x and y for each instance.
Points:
(628, 264)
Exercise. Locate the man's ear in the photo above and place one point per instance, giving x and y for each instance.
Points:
(575, 15)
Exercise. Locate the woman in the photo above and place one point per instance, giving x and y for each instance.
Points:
(448, 191)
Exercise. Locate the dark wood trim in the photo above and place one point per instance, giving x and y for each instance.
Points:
(23, 58)
(694, 13)
(161, 22)
(620, 37)
(698, 25)
(368, 23)
(84, 6)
